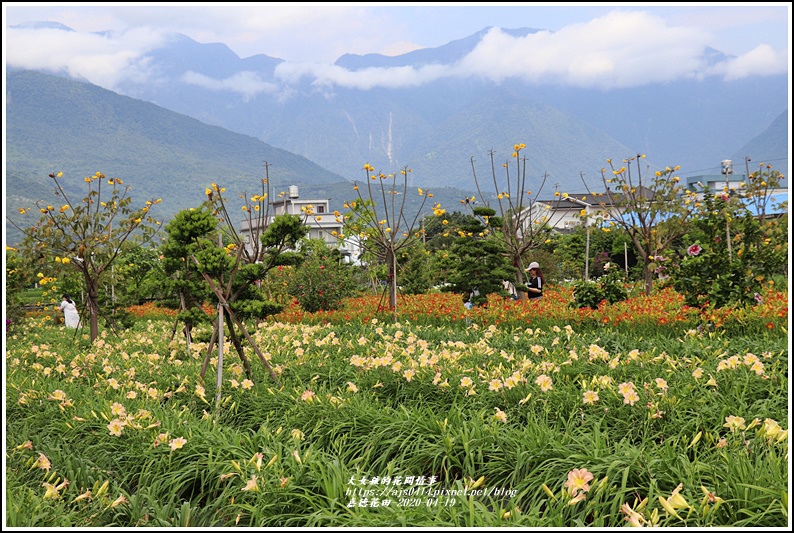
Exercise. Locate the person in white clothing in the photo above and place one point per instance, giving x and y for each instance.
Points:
(70, 315)
(510, 288)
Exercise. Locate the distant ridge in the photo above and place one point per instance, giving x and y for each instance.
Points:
(56, 124)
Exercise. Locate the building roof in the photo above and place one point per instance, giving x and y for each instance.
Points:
(597, 200)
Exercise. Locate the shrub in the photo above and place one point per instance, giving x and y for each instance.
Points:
(321, 283)
(727, 255)
(120, 319)
(609, 287)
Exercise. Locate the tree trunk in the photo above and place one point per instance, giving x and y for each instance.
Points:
(391, 262)
(647, 275)
(93, 306)
(522, 296)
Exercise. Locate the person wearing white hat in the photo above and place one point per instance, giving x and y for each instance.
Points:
(535, 285)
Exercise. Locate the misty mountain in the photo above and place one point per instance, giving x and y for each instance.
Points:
(448, 53)
(206, 115)
(436, 127)
(56, 124)
(773, 142)
(433, 129)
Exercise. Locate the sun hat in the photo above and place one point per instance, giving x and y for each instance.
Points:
(532, 265)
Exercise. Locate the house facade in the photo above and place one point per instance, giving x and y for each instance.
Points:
(565, 212)
(717, 183)
(322, 223)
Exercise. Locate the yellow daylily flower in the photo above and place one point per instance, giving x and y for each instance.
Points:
(676, 501)
(52, 491)
(669, 508)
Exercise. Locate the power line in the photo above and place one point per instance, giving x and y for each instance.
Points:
(716, 169)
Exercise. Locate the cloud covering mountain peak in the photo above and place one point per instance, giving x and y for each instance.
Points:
(621, 49)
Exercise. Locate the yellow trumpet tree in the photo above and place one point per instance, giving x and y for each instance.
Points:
(524, 222)
(377, 220)
(86, 234)
(653, 210)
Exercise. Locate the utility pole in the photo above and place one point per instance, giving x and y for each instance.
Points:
(587, 242)
(219, 377)
(112, 272)
(727, 169)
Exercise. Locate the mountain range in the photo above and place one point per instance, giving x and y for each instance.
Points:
(172, 136)
(435, 128)
(55, 124)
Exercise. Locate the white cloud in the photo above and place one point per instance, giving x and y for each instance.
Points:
(286, 31)
(619, 49)
(104, 60)
(761, 61)
(248, 84)
(364, 79)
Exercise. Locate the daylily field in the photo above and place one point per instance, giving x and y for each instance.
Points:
(534, 414)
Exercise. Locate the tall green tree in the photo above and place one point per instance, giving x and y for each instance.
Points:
(137, 274)
(759, 196)
(417, 271)
(16, 279)
(86, 235)
(758, 192)
(728, 253)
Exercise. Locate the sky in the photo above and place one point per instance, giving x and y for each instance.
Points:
(591, 45)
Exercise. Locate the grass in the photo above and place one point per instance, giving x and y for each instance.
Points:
(363, 401)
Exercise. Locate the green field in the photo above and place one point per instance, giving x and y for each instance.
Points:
(380, 424)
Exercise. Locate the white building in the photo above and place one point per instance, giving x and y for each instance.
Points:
(322, 222)
(565, 212)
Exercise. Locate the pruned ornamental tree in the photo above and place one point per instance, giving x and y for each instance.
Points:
(480, 260)
(204, 243)
(265, 240)
(183, 284)
(86, 235)
(378, 221)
